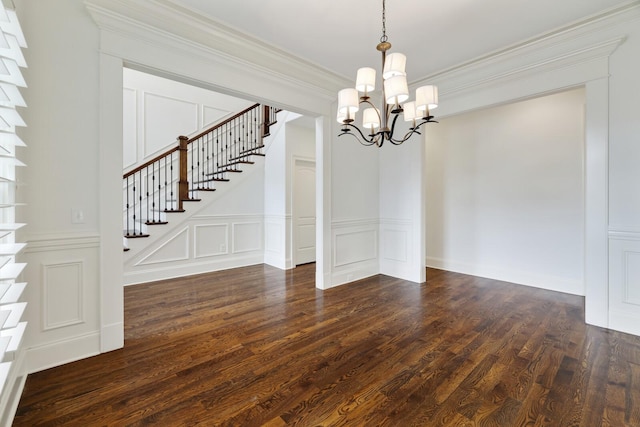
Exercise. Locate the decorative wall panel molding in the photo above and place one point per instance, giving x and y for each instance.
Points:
(175, 248)
(274, 234)
(398, 256)
(356, 246)
(160, 133)
(395, 246)
(62, 294)
(247, 237)
(130, 128)
(210, 240)
(211, 115)
(631, 281)
(624, 282)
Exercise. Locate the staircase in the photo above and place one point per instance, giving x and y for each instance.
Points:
(152, 192)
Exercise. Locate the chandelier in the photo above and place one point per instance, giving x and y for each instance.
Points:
(395, 92)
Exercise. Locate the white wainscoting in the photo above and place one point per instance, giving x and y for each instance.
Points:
(63, 295)
(624, 281)
(355, 250)
(277, 239)
(202, 244)
(210, 240)
(396, 241)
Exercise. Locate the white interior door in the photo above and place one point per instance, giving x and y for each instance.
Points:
(304, 211)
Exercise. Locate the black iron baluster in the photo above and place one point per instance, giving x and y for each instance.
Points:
(165, 184)
(127, 205)
(153, 188)
(172, 192)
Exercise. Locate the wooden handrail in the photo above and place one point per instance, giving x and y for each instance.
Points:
(193, 138)
(217, 125)
(150, 162)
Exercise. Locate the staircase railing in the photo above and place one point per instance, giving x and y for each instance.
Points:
(162, 184)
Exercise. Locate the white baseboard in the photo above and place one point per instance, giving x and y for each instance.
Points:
(276, 260)
(628, 323)
(61, 352)
(112, 337)
(550, 283)
(358, 271)
(15, 386)
(144, 275)
(9, 412)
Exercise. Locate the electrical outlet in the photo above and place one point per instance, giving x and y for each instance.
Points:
(223, 248)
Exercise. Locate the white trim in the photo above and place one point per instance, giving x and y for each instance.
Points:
(628, 232)
(172, 271)
(239, 225)
(350, 223)
(56, 353)
(157, 23)
(551, 283)
(46, 267)
(166, 242)
(56, 242)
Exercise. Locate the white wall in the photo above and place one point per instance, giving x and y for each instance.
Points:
(63, 98)
(505, 192)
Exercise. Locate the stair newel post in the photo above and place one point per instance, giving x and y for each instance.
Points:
(183, 182)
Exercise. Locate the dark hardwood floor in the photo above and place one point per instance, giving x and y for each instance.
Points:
(260, 346)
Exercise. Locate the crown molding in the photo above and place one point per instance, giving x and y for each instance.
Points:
(162, 23)
(594, 37)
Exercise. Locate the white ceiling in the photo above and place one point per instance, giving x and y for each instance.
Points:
(341, 35)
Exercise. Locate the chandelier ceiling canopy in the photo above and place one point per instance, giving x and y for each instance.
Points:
(380, 123)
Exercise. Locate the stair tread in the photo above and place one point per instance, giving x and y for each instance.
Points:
(223, 171)
(252, 149)
(156, 222)
(135, 236)
(237, 162)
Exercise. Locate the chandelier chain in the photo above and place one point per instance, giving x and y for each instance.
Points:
(384, 37)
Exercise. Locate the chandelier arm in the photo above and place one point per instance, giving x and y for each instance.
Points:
(373, 140)
(412, 131)
(405, 137)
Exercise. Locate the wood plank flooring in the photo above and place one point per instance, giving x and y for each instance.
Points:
(260, 346)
